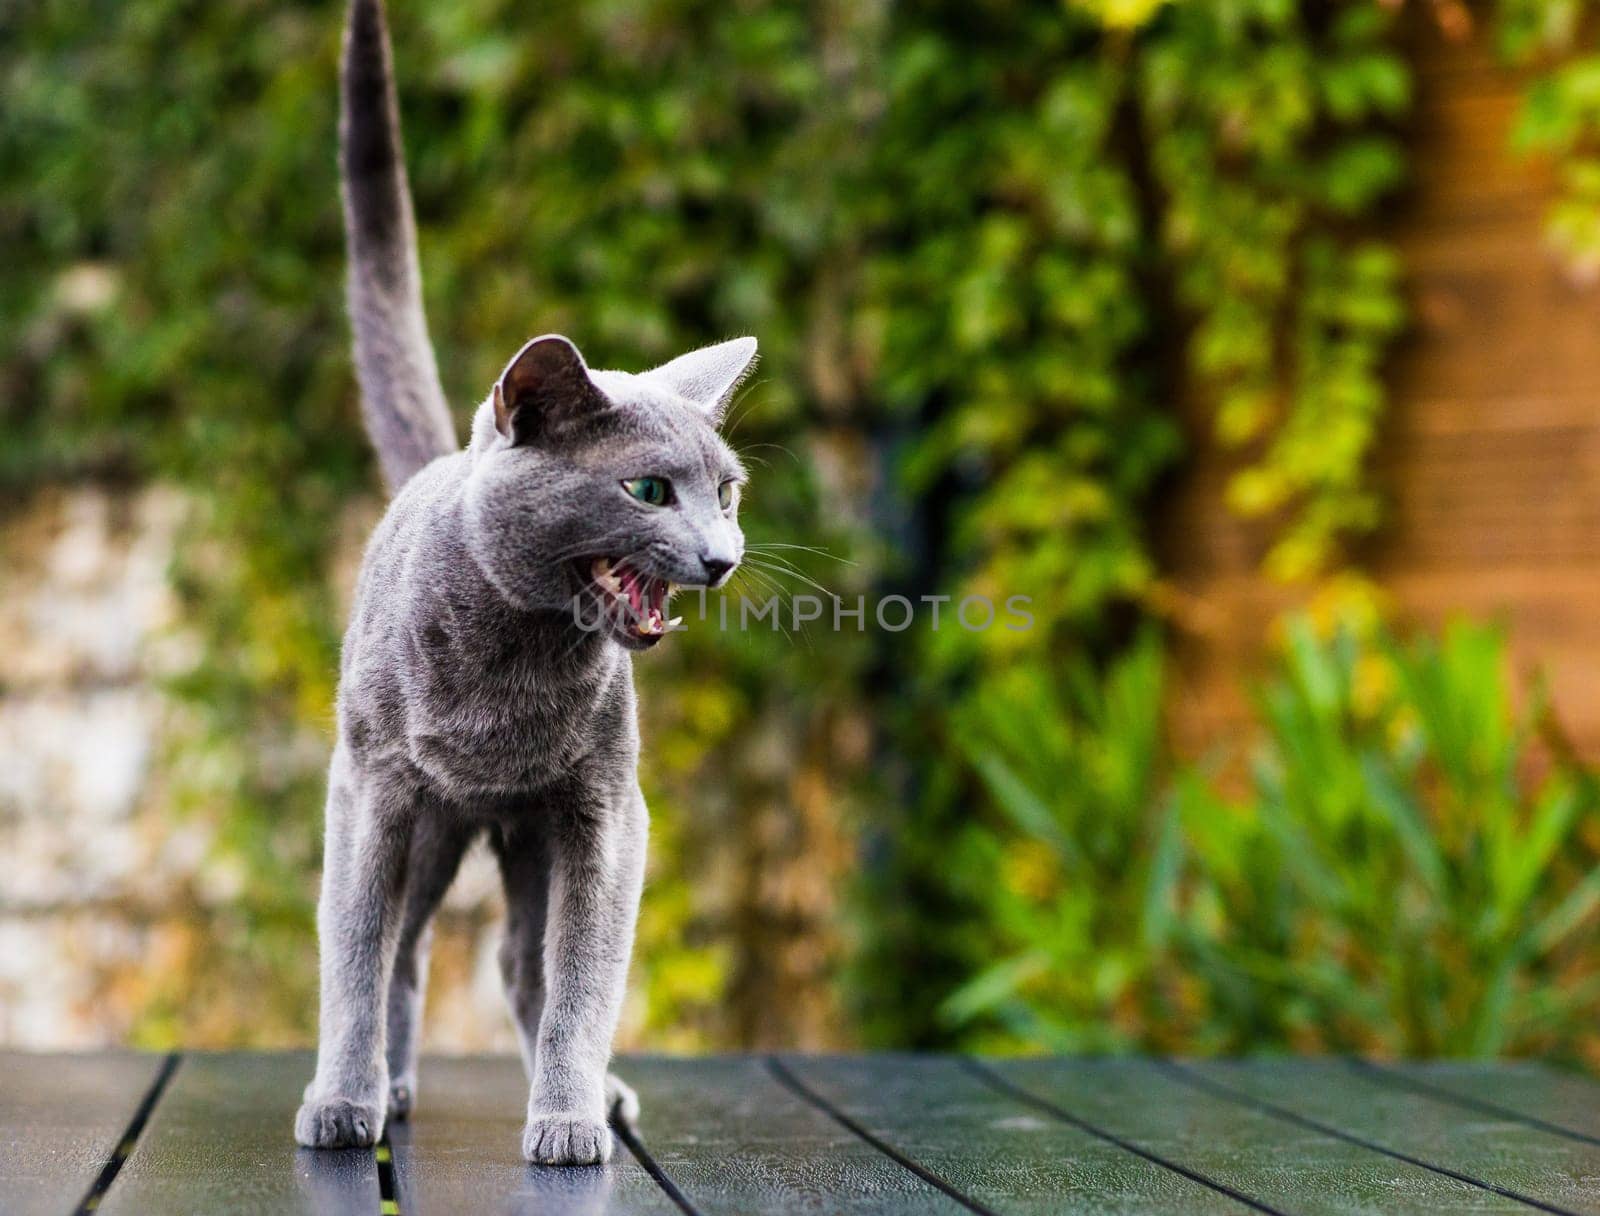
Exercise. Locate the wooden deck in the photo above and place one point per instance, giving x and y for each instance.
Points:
(750, 1135)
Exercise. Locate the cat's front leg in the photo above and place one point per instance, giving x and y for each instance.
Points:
(363, 872)
(597, 868)
(438, 842)
(525, 872)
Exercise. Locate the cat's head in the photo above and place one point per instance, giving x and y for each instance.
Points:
(607, 489)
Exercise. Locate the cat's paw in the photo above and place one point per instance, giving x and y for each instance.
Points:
(566, 1140)
(402, 1097)
(622, 1104)
(338, 1123)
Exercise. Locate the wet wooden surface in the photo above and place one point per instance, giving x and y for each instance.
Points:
(61, 1120)
(219, 1139)
(756, 1135)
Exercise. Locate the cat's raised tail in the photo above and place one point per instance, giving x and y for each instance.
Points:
(402, 401)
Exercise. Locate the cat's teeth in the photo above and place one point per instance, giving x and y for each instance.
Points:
(604, 575)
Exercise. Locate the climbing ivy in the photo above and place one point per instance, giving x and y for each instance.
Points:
(1005, 292)
(1266, 128)
(1560, 117)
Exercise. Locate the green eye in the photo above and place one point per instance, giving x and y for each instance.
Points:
(654, 491)
(728, 494)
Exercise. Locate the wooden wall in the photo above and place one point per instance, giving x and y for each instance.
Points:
(1491, 459)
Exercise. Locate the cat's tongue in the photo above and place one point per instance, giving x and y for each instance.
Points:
(632, 588)
(646, 597)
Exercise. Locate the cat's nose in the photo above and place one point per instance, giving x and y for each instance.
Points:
(716, 569)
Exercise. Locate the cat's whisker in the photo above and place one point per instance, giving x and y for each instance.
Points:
(592, 548)
(781, 593)
(765, 580)
(767, 563)
(777, 593)
(785, 607)
(752, 446)
(767, 546)
(772, 555)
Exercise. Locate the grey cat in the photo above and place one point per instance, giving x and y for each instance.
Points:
(473, 698)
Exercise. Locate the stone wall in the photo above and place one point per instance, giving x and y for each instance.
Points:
(105, 893)
(83, 604)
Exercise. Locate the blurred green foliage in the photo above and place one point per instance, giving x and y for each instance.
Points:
(1268, 125)
(1406, 871)
(1561, 115)
(971, 238)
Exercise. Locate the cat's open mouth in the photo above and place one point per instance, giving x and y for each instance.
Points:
(634, 602)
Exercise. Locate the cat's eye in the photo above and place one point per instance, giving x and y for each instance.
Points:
(652, 491)
(728, 494)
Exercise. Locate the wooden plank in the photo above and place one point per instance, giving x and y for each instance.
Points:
(739, 1143)
(1285, 1167)
(1522, 1089)
(61, 1120)
(461, 1153)
(1487, 417)
(221, 1140)
(1545, 1170)
(995, 1149)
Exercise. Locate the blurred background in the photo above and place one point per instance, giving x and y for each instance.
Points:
(1252, 339)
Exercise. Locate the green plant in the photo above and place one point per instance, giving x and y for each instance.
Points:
(1004, 320)
(1084, 870)
(1410, 870)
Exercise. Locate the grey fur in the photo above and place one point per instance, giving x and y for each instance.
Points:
(471, 701)
(402, 401)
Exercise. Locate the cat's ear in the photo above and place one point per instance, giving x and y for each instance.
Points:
(544, 387)
(708, 376)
